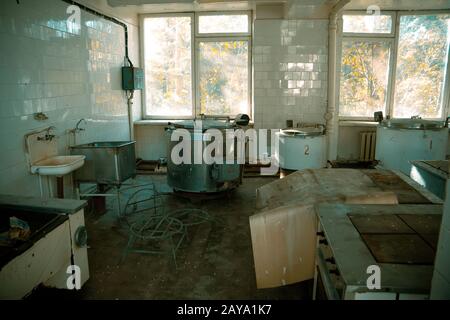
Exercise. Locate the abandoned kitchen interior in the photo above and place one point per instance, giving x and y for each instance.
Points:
(218, 149)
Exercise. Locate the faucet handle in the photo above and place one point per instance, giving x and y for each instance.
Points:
(47, 137)
(77, 126)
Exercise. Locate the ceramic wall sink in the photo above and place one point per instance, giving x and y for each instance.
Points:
(57, 165)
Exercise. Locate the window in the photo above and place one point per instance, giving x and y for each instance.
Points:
(223, 23)
(364, 77)
(223, 74)
(402, 80)
(421, 66)
(367, 23)
(196, 64)
(168, 66)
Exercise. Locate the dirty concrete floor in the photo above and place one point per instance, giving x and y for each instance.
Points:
(214, 262)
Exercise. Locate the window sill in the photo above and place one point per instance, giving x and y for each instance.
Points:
(164, 122)
(154, 122)
(353, 123)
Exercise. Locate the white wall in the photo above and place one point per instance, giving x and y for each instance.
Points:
(290, 79)
(68, 76)
(130, 17)
(151, 142)
(290, 72)
(349, 141)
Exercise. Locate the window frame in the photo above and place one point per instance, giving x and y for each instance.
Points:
(142, 60)
(196, 38)
(394, 36)
(197, 71)
(221, 34)
(445, 93)
(392, 14)
(391, 43)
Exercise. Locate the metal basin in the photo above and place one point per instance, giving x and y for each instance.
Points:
(106, 144)
(106, 162)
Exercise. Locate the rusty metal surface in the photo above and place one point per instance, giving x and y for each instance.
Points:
(399, 248)
(383, 223)
(423, 223)
(399, 238)
(389, 181)
(426, 225)
(352, 255)
(431, 239)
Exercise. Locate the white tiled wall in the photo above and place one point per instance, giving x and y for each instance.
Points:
(290, 79)
(67, 75)
(290, 72)
(151, 142)
(309, 9)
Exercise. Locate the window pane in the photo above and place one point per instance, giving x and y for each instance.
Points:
(224, 75)
(367, 23)
(223, 23)
(364, 77)
(421, 65)
(167, 54)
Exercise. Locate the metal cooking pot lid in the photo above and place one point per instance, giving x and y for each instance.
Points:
(206, 124)
(306, 131)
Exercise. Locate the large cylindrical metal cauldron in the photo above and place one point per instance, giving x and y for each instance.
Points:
(203, 177)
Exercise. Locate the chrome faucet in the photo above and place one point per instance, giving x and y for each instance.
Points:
(77, 127)
(48, 136)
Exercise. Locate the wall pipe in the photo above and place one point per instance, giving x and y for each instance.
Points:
(130, 95)
(104, 16)
(127, 58)
(331, 116)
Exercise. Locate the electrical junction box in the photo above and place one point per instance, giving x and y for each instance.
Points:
(132, 78)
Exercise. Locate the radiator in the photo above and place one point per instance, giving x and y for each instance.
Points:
(368, 140)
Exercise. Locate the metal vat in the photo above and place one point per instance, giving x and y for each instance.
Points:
(431, 174)
(400, 141)
(302, 148)
(106, 162)
(201, 178)
(412, 124)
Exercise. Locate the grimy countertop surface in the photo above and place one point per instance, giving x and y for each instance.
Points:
(353, 257)
(50, 205)
(437, 167)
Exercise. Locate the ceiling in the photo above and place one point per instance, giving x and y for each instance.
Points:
(400, 4)
(307, 7)
(118, 3)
